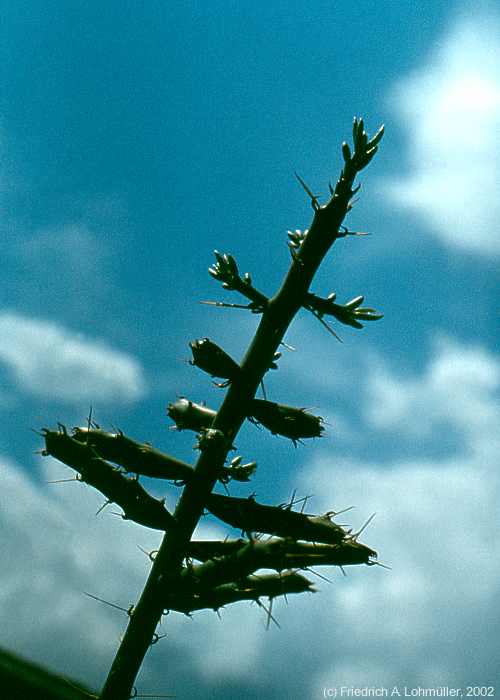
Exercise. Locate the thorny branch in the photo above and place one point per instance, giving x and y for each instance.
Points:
(226, 573)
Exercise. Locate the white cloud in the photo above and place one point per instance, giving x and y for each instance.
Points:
(450, 112)
(458, 388)
(73, 250)
(51, 361)
(421, 623)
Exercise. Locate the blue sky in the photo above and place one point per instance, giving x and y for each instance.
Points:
(137, 138)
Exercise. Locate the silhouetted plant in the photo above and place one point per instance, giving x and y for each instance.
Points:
(227, 570)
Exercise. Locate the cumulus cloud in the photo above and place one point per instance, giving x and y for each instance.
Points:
(425, 622)
(450, 113)
(421, 622)
(459, 388)
(51, 361)
(74, 244)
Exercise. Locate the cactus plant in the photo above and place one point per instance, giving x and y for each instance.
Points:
(111, 462)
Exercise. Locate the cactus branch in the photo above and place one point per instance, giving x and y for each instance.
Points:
(134, 457)
(225, 270)
(249, 516)
(350, 313)
(143, 459)
(125, 491)
(252, 588)
(282, 553)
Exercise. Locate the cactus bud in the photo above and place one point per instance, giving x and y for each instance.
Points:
(293, 423)
(354, 303)
(377, 138)
(346, 152)
(238, 471)
(231, 264)
(189, 415)
(212, 359)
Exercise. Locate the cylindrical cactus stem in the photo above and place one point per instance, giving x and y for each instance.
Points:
(249, 516)
(136, 502)
(134, 457)
(251, 588)
(231, 560)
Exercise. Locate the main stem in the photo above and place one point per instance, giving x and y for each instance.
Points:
(276, 318)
